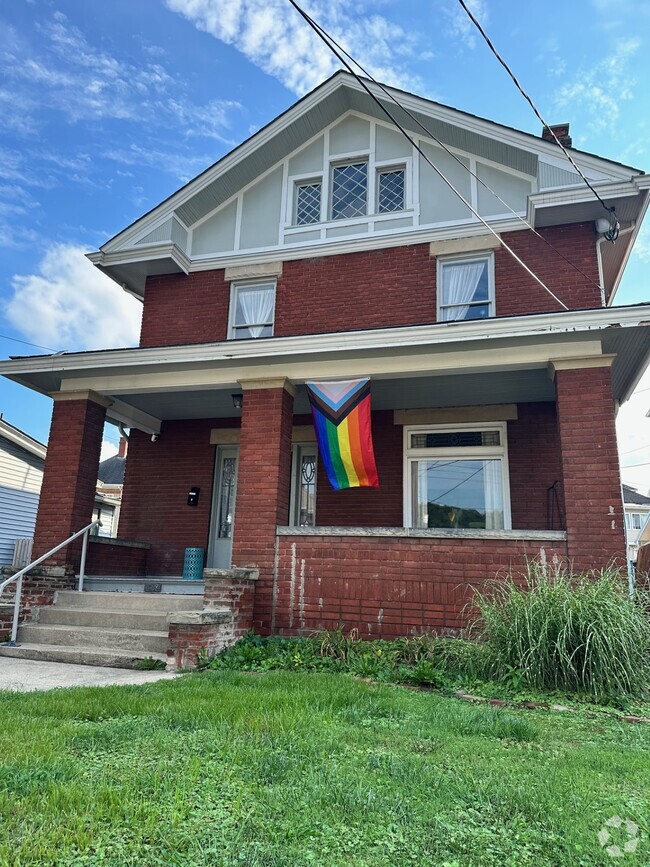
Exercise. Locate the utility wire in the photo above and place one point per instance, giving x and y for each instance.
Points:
(26, 343)
(454, 156)
(611, 213)
(327, 40)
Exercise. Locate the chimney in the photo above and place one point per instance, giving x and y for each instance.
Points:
(561, 130)
(122, 447)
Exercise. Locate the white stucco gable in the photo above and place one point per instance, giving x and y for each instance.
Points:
(278, 195)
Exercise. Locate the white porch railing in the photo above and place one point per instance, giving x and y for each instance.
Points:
(17, 578)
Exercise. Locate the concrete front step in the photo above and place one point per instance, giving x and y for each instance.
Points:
(53, 615)
(87, 637)
(135, 602)
(154, 586)
(105, 656)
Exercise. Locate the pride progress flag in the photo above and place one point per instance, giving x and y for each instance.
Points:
(341, 413)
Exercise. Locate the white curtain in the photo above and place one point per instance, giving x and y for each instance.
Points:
(257, 308)
(493, 495)
(460, 283)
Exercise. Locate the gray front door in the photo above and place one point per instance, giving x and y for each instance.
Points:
(223, 508)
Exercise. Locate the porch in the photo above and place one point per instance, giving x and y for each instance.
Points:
(488, 451)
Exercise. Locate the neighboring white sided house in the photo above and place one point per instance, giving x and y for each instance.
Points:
(637, 512)
(22, 461)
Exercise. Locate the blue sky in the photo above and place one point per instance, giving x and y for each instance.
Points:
(109, 107)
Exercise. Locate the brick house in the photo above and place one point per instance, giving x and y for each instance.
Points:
(322, 248)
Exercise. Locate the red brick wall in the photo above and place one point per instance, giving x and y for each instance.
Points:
(592, 484)
(368, 507)
(114, 557)
(394, 286)
(70, 477)
(517, 292)
(158, 476)
(182, 309)
(263, 482)
(535, 464)
(384, 587)
(157, 480)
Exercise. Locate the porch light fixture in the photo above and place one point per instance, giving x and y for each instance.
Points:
(238, 400)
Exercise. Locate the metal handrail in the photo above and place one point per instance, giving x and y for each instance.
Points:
(18, 576)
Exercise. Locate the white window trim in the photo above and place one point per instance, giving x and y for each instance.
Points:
(235, 286)
(341, 162)
(469, 453)
(384, 168)
(312, 180)
(441, 261)
(296, 451)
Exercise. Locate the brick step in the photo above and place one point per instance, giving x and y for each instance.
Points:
(103, 618)
(157, 602)
(89, 637)
(103, 656)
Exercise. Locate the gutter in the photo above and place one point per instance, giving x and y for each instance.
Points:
(438, 334)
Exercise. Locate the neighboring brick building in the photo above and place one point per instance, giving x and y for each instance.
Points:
(323, 248)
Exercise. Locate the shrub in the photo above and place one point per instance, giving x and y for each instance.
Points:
(555, 630)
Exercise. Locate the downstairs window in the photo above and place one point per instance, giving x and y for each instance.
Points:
(457, 477)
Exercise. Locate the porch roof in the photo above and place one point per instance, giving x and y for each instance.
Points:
(148, 385)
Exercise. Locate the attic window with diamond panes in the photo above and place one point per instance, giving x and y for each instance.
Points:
(390, 190)
(308, 203)
(349, 191)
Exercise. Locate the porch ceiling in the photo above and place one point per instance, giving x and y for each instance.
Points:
(501, 360)
(421, 392)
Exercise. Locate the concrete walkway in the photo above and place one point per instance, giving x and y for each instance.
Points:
(27, 675)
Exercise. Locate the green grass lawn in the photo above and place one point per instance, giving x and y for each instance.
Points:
(229, 768)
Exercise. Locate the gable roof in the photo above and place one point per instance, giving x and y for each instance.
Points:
(632, 497)
(111, 471)
(157, 242)
(21, 439)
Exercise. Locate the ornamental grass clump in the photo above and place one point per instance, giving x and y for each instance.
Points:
(576, 633)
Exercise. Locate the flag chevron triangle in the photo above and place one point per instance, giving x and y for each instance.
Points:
(341, 409)
(335, 394)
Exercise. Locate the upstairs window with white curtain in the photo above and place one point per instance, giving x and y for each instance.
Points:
(465, 288)
(252, 310)
(457, 477)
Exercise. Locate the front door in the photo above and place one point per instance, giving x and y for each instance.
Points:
(223, 508)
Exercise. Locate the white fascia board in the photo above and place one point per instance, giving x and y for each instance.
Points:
(439, 334)
(354, 245)
(522, 140)
(167, 208)
(492, 129)
(143, 254)
(23, 441)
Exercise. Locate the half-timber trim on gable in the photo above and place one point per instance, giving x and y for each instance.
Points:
(243, 209)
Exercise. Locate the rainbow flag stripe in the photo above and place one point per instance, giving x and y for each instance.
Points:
(341, 413)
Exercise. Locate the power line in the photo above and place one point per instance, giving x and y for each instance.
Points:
(631, 466)
(631, 451)
(449, 152)
(324, 36)
(26, 343)
(612, 235)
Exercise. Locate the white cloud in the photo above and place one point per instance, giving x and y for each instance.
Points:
(600, 89)
(462, 27)
(274, 37)
(633, 430)
(642, 244)
(69, 304)
(69, 75)
(109, 449)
